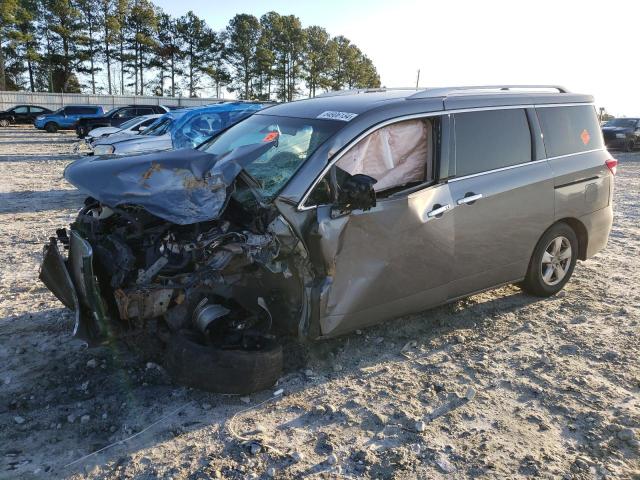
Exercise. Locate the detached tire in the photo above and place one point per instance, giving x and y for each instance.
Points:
(223, 371)
(552, 262)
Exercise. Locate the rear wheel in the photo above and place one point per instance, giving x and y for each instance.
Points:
(5, 122)
(51, 127)
(553, 261)
(81, 132)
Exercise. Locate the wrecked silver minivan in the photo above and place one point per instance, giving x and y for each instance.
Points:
(318, 217)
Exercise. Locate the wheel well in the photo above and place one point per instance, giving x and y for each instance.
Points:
(581, 232)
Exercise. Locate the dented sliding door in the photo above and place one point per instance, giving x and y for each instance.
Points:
(386, 262)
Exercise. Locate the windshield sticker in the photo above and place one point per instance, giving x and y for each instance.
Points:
(270, 137)
(342, 116)
(585, 137)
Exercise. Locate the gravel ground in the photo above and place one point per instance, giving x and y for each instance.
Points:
(497, 385)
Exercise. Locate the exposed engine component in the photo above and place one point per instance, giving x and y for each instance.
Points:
(212, 277)
(206, 313)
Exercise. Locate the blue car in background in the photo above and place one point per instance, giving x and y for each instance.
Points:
(184, 128)
(66, 117)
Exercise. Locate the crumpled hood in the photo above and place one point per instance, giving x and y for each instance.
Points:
(180, 186)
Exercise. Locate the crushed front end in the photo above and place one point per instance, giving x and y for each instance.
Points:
(230, 282)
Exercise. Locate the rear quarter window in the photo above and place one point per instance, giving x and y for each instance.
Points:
(492, 139)
(568, 130)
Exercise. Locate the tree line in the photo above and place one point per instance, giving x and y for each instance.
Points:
(133, 47)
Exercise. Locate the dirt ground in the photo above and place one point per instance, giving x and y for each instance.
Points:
(497, 385)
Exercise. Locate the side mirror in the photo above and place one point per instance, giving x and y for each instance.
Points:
(357, 193)
(141, 128)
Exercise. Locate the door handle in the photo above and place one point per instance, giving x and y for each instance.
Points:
(470, 199)
(438, 211)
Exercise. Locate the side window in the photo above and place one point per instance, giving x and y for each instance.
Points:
(144, 111)
(397, 155)
(197, 130)
(144, 124)
(88, 110)
(21, 109)
(568, 130)
(125, 113)
(487, 140)
(72, 110)
(36, 109)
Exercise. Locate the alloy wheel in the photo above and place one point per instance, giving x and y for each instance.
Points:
(556, 260)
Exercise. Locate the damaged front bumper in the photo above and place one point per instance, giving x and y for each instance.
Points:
(74, 282)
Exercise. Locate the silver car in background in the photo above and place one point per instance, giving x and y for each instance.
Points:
(132, 127)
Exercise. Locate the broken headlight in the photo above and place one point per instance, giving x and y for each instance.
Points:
(103, 149)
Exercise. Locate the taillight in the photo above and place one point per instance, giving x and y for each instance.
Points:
(612, 164)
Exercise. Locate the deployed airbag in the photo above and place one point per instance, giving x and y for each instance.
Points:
(394, 155)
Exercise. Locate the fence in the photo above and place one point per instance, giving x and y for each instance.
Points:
(57, 100)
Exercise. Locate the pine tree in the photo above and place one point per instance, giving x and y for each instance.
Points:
(217, 68)
(62, 21)
(27, 41)
(169, 55)
(200, 43)
(143, 26)
(8, 11)
(320, 57)
(266, 54)
(289, 42)
(243, 34)
(91, 23)
(121, 32)
(109, 27)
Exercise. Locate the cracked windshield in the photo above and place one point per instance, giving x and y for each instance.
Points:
(294, 141)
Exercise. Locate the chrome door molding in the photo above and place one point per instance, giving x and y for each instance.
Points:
(457, 179)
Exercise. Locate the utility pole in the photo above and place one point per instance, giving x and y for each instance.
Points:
(418, 79)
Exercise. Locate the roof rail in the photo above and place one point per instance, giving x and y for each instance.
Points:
(355, 91)
(445, 91)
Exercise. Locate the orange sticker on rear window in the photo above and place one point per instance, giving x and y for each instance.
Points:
(585, 137)
(270, 137)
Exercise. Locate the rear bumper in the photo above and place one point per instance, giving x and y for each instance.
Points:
(598, 225)
(74, 282)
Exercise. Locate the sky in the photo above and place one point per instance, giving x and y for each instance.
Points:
(586, 46)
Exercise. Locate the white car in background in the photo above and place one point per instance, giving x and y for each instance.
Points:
(131, 127)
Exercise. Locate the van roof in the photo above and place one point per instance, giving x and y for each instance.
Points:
(434, 99)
